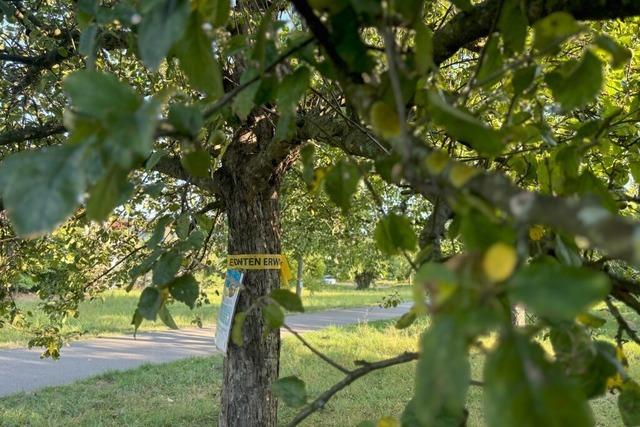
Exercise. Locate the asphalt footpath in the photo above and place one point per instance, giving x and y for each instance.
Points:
(22, 370)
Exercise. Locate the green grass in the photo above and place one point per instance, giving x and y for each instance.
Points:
(187, 392)
(112, 313)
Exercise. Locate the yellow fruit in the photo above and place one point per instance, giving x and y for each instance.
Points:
(384, 120)
(616, 381)
(536, 233)
(460, 174)
(436, 162)
(499, 261)
(388, 422)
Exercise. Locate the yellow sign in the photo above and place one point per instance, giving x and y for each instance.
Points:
(261, 262)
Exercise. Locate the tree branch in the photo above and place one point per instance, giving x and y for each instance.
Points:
(30, 132)
(322, 400)
(171, 166)
(315, 351)
(623, 325)
(467, 27)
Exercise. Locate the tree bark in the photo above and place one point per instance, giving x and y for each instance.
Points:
(254, 228)
(299, 280)
(249, 183)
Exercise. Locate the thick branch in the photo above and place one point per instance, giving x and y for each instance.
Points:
(171, 166)
(466, 27)
(31, 132)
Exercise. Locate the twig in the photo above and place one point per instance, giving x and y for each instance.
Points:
(317, 352)
(114, 266)
(390, 48)
(213, 108)
(322, 400)
(352, 122)
(467, 91)
(623, 325)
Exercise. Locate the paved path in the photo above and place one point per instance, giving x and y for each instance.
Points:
(23, 370)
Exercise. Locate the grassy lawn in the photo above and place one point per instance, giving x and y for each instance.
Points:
(112, 314)
(186, 392)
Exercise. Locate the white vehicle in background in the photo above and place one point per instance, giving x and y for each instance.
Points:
(329, 280)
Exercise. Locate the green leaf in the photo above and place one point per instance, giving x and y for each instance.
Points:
(442, 373)
(166, 268)
(410, 10)
(523, 389)
(423, 52)
(160, 28)
(492, 62)
(480, 231)
(243, 102)
(384, 120)
(195, 53)
(129, 137)
(286, 128)
(136, 321)
(236, 330)
(465, 127)
(287, 299)
(153, 160)
(197, 163)
(620, 55)
(149, 303)
(291, 390)
(523, 78)
(558, 291)
(307, 156)
(182, 226)
(629, 403)
(158, 232)
(166, 317)
(409, 417)
(187, 119)
(291, 89)
(589, 363)
(341, 183)
(394, 234)
(591, 320)
(406, 320)
(145, 265)
(576, 85)
(87, 44)
(195, 240)
(274, 315)
(185, 289)
(40, 189)
(100, 95)
(108, 193)
(217, 11)
(552, 30)
(513, 25)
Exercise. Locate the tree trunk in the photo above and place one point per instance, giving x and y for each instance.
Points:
(299, 281)
(252, 205)
(364, 279)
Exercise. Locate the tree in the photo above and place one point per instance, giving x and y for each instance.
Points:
(515, 120)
